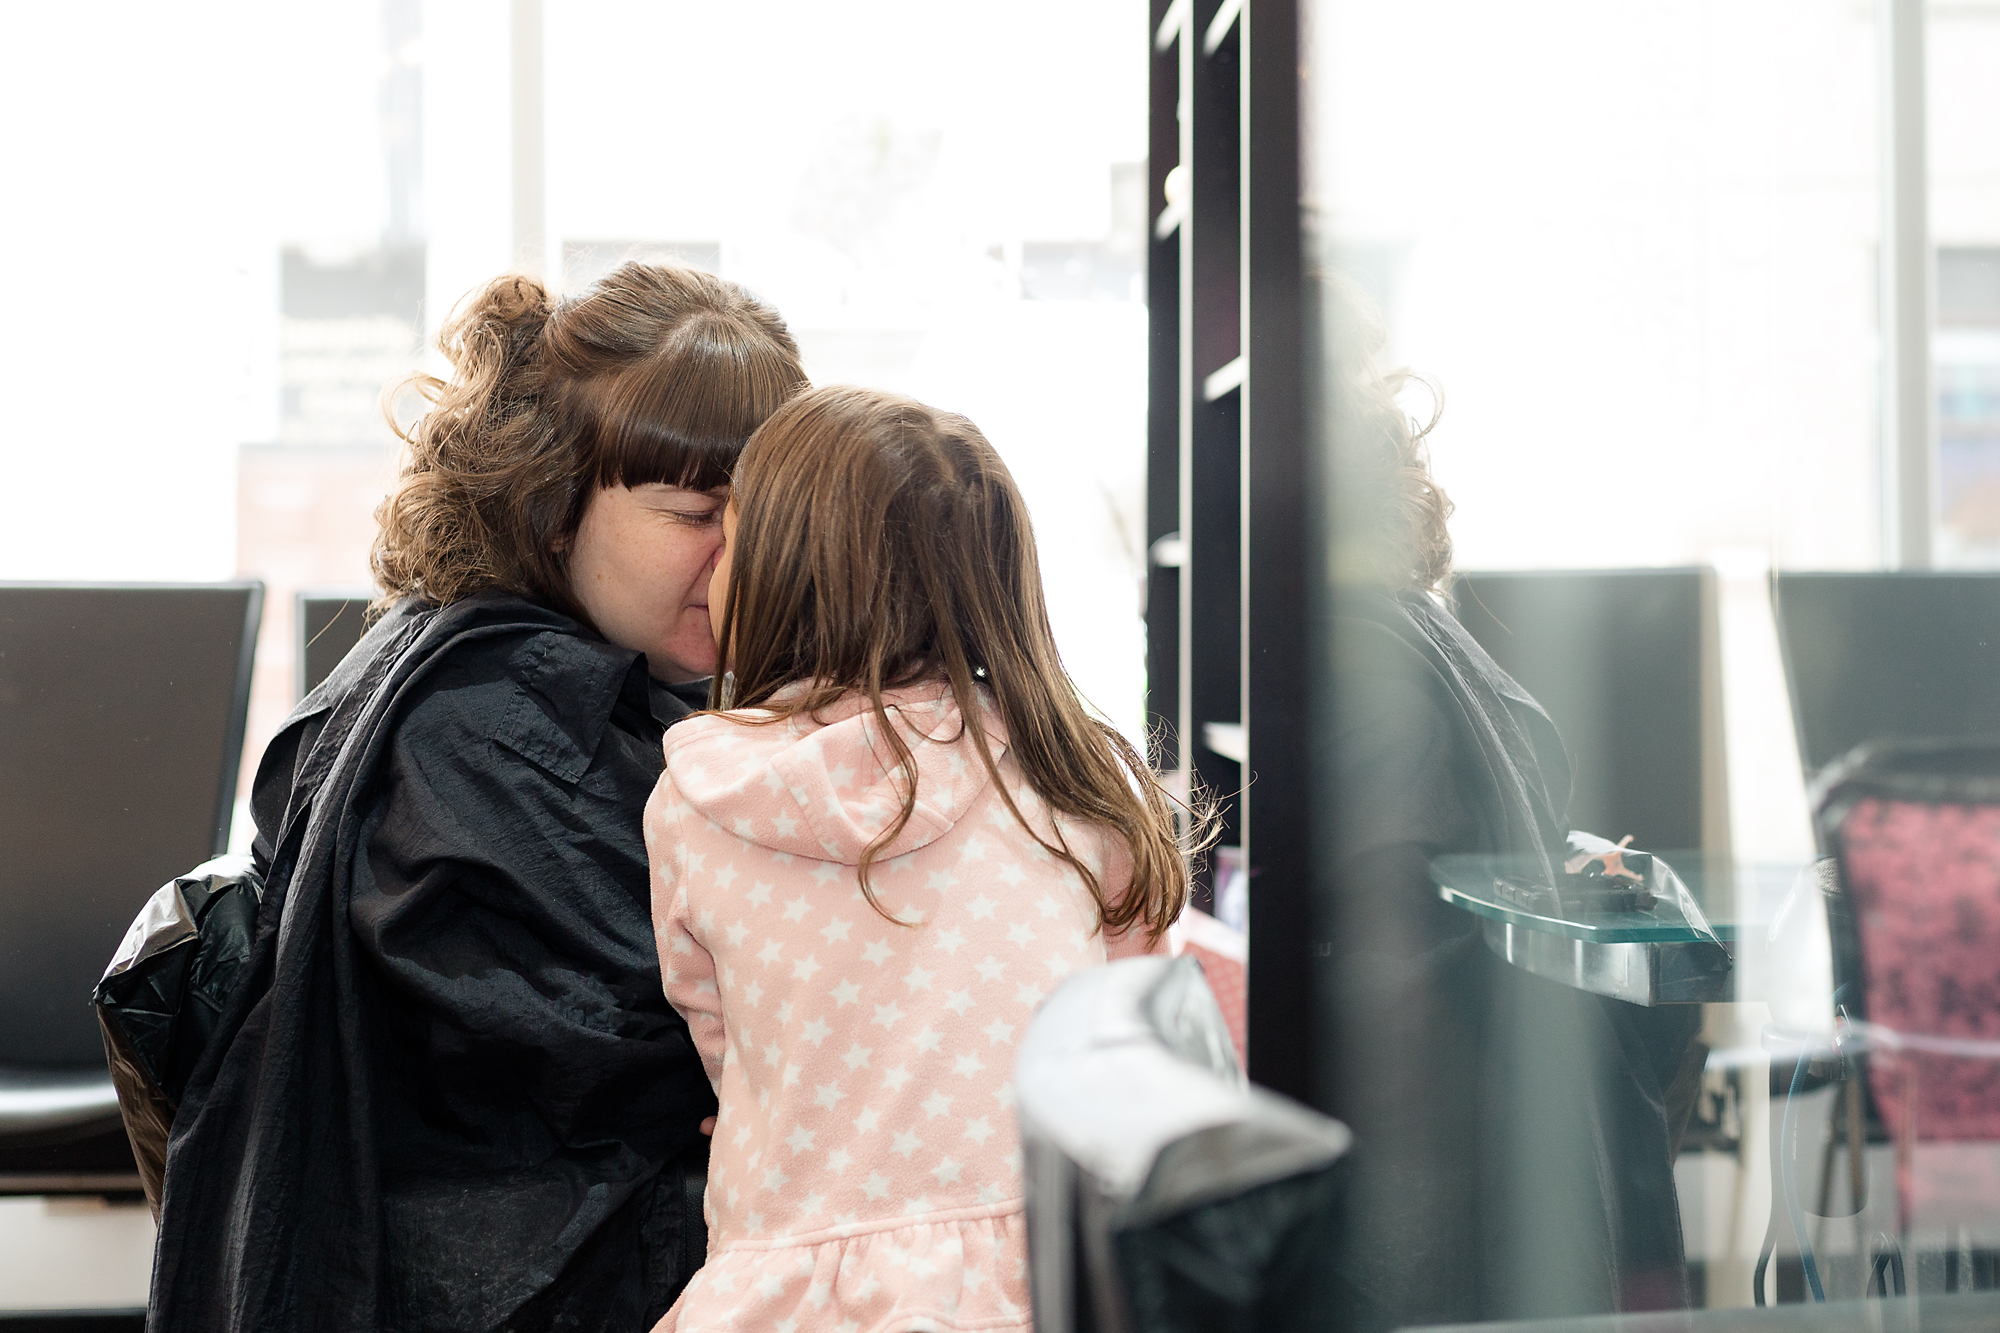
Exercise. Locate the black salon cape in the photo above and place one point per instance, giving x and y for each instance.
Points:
(1515, 1137)
(449, 1093)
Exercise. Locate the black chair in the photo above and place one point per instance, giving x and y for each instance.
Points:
(1888, 657)
(1165, 1192)
(122, 710)
(328, 623)
(1619, 658)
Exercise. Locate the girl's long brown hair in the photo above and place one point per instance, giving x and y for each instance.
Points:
(880, 542)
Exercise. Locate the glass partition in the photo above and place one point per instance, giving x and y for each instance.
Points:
(1635, 993)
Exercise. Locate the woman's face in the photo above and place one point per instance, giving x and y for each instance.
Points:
(639, 565)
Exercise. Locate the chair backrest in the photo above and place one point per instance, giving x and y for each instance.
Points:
(1916, 828)
(1617, 658)
(121, 729)
(329, 622)
(1888, 657)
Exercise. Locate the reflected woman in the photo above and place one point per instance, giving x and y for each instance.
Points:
(449, 1092)
(1515, 1137)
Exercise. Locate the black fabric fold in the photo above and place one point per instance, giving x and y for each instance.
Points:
(449, 1092)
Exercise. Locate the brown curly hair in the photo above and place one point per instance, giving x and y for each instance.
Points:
(657, 373)
(1391, 513)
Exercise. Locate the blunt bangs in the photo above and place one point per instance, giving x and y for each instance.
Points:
(681, 415)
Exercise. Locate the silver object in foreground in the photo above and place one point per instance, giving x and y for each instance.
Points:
(1133, 1110)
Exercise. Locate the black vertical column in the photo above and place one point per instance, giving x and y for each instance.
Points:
(1278, 556)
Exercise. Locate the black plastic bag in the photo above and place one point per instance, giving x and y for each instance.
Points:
(165, 990)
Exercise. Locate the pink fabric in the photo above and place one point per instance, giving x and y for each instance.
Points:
(1224, 955)
(866, 1172)
(1926, 885)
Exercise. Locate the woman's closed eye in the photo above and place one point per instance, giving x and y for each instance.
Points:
(693, 516)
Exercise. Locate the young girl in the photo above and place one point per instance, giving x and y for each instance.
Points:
(872, 868)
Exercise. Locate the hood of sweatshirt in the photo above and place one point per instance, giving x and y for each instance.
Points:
(825, 787)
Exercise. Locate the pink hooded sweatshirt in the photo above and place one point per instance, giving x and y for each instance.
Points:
(866, 1172)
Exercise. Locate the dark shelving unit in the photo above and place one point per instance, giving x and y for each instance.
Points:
(1227, 614)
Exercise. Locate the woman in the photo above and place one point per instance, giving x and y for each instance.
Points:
(1514, 1137)
(450, 1093)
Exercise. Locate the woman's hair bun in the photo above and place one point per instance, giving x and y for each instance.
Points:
(495, 329)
